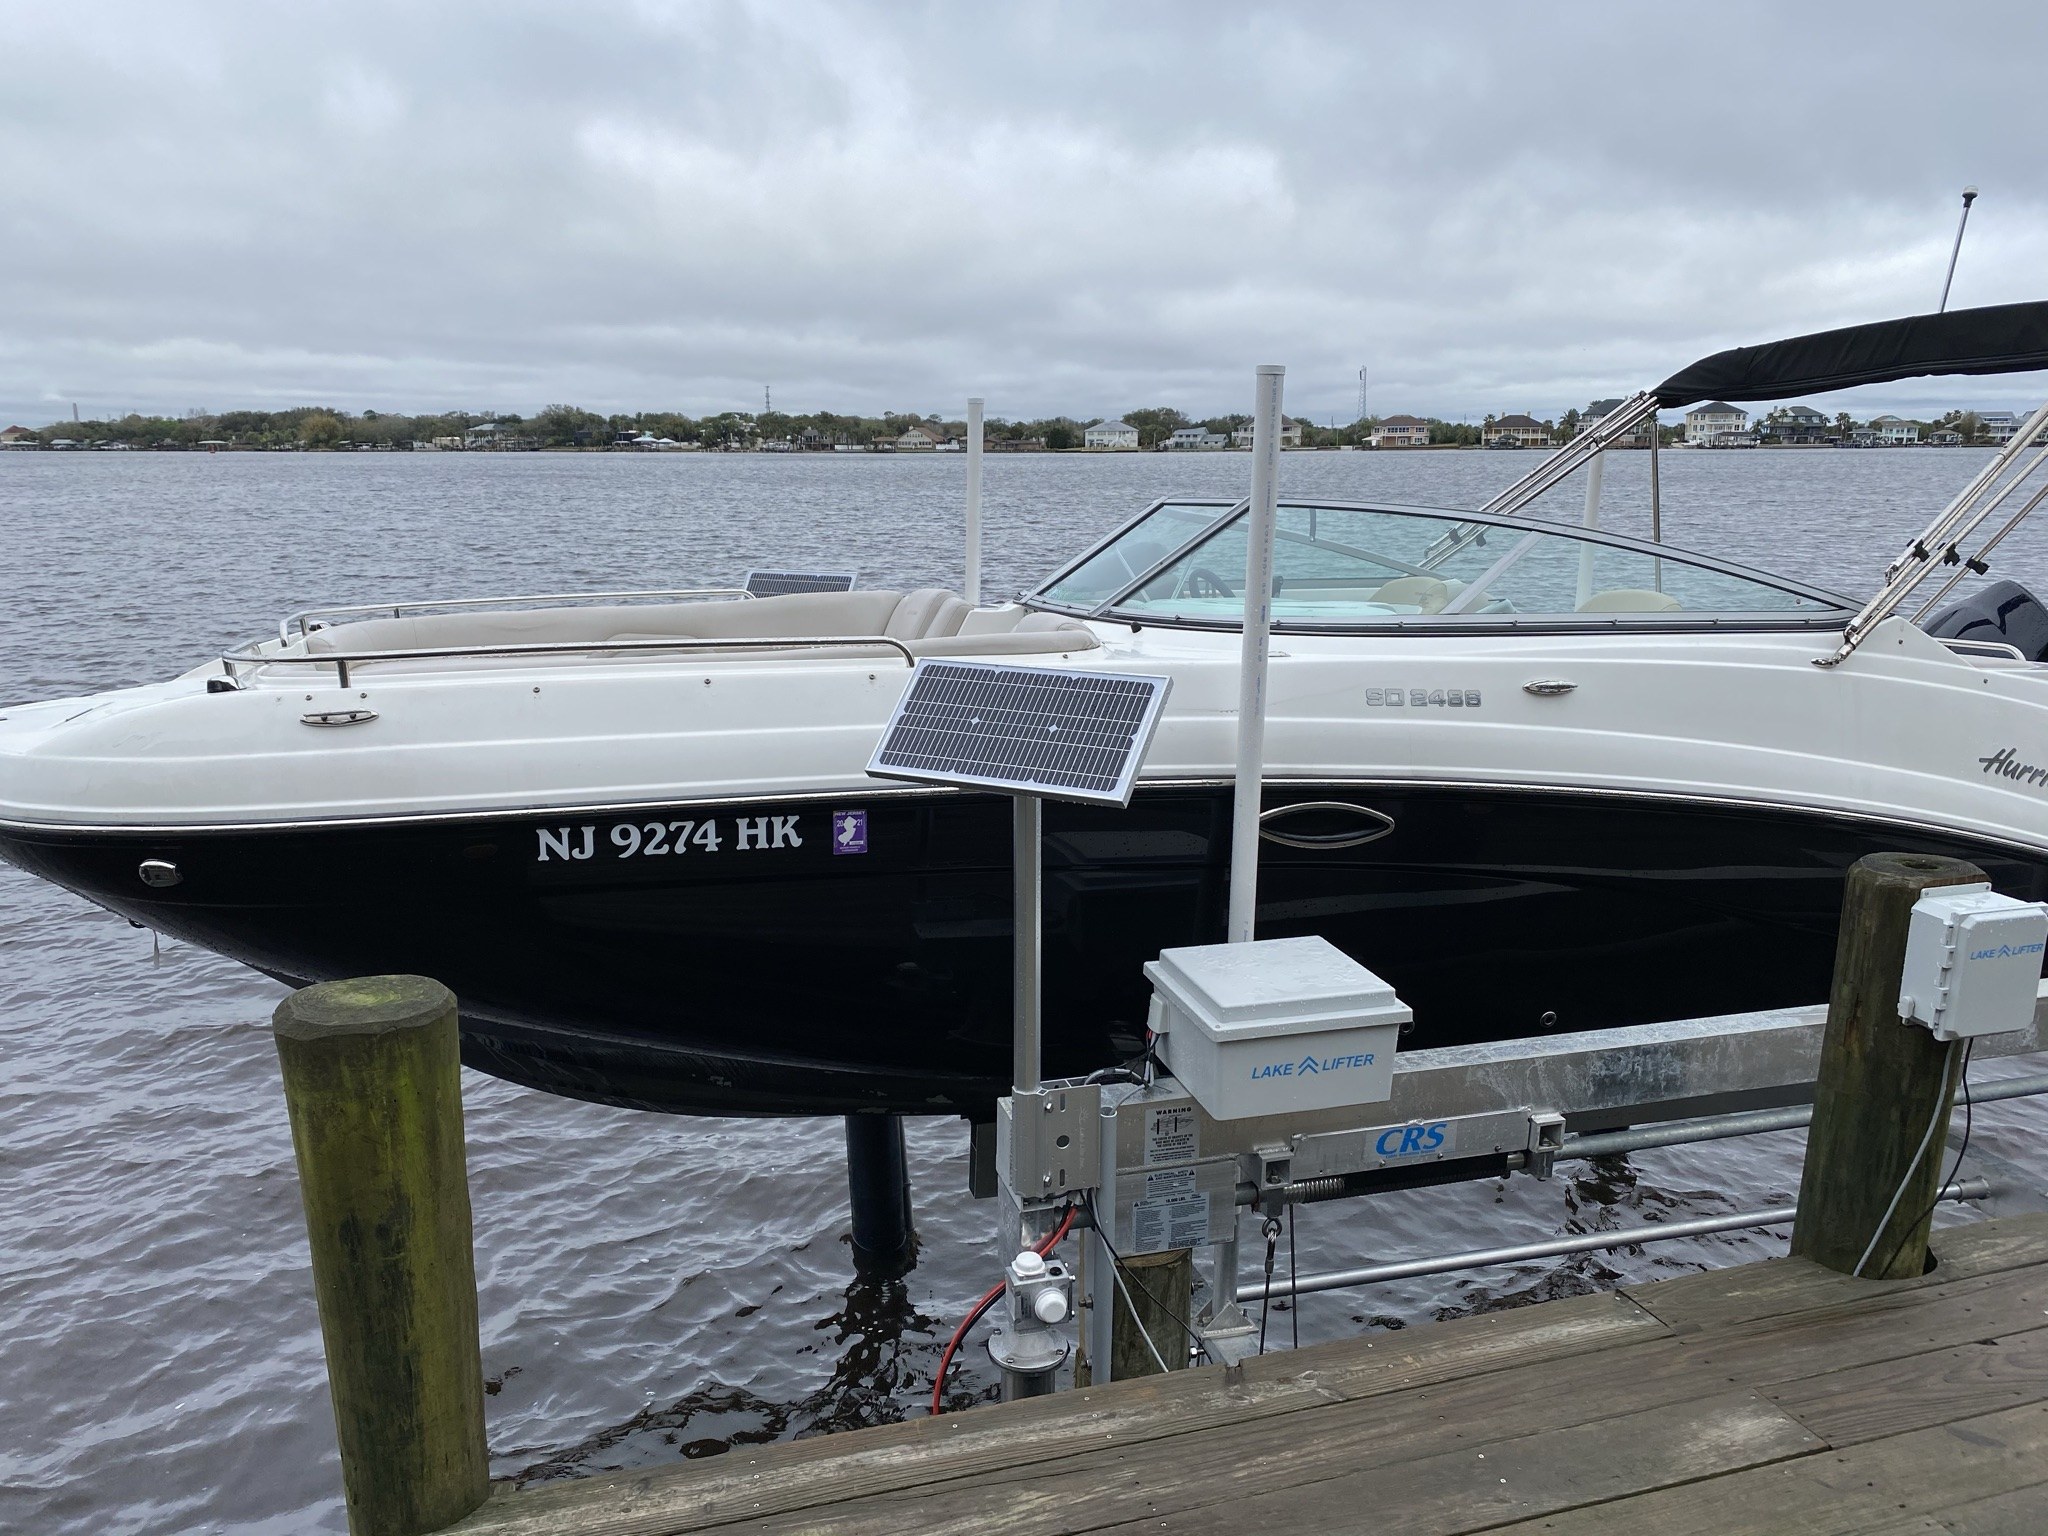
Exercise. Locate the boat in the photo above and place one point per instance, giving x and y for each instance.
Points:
(1538, 775)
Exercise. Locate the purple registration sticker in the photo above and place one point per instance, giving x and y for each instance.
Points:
(849, 831)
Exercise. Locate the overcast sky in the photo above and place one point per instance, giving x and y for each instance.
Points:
(1077, 208)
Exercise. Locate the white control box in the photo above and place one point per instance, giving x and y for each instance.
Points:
(1275, 1027)
(1973, 962)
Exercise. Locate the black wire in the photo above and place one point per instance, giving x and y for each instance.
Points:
(1293, 1296)
(1266, 1300)
(1962, 1147)
(1131, 1277)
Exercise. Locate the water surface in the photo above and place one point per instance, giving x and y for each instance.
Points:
(651, 1287)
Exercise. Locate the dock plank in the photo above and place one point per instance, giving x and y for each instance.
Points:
(1157, 1479)
(1475, 1489)
(1890, 1397)
(1585, 1405)
(925, 1451)
(1850, 1492)
(1778, 1287)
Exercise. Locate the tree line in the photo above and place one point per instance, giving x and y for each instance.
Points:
(571, 427)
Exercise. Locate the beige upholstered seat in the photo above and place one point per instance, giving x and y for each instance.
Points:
(1422, 592)
(931, 620)
(1631, 600)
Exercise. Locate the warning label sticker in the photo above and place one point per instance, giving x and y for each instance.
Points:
(1171, 1213)
(1171, 1135)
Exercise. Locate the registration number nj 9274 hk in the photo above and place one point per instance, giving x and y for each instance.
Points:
(666, 838)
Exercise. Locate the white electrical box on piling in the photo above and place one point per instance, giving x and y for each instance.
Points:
(1973, 962)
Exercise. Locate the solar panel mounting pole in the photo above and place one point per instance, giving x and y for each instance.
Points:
(1027, 818)
(1258, 629)
(970, 588)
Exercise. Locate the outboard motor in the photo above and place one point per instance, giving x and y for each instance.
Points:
(2004, 611)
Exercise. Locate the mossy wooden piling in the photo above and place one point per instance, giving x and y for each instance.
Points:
(372, 1076)
(1154, 1295)
(1880, 1083)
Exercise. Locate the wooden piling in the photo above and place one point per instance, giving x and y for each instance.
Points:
(1161, 1287)
(372, 1076)
(1881, 1081)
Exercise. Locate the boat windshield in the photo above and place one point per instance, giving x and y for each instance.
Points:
(1133, 552)
(1347, 565)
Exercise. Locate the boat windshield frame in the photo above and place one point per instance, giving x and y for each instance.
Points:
(1835, 611)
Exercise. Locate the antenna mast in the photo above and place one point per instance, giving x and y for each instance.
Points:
(1969, 197)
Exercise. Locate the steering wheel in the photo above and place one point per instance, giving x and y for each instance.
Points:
(1203, 582)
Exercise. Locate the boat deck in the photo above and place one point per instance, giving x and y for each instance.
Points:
(1771, 1397)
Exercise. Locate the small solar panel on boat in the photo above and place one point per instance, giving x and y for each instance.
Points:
(1035, 730)
(783, 583)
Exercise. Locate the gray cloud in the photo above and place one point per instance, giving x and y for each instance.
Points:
(1059, 207)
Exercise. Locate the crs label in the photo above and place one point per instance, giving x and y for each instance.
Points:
(1428, 1138)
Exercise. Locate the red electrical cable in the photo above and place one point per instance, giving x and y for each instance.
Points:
(1045, 1246)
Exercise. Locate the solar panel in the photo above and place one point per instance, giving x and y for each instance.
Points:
(1044, 731)
(783, 583)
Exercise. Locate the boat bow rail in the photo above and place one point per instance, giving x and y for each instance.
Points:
(255, 657)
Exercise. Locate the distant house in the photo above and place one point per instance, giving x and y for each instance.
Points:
(1998, 426)
(1401, 432)
(1517, 432)
(1716, 421)
(1893, 432)
(1945, 438)
(1110, 434)
(1600, 410)
(1796, 424)
(922, 438)
(1290, 434)
(1198, 438)
(18, 437)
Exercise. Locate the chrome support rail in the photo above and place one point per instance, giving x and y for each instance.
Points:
(1940, 543)
(342, 661)
(1522, 1253)
(301, 619)
(1580, 451)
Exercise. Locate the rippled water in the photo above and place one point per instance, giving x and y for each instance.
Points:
(651, 1287)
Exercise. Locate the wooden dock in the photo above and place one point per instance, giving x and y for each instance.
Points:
(1769, 1398)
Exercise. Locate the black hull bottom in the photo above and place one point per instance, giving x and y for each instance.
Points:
(822, 959)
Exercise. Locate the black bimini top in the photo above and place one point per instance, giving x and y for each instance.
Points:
(1999, 338)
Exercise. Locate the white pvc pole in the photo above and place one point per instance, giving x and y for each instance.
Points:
(1258, 628)
(972, 585)
(1586, 551)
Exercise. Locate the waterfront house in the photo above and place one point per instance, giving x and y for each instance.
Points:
(18, 437)
(1517, 432)
(1715, 421)
(1599, 410)
(1198, 438)
(1947, 437)
(922, 438)
(1290, 434)
(1796, 424)
(1998, 426)
(1401, 432)
(1893, 432)
(1110, 434)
